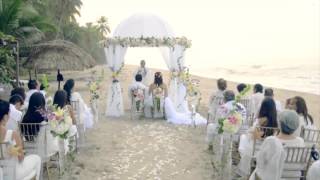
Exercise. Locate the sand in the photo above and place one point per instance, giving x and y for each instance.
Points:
(120, 148)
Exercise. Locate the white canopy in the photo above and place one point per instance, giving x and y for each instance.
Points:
(144, 26)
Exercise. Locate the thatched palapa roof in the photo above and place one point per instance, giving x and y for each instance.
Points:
(65, 55)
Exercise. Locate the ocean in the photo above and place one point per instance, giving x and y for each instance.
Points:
(302, 78)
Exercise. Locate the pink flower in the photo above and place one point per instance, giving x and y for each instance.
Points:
(232, 119)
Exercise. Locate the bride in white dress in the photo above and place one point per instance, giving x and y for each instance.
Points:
(184, 116)
(86, 116)
(27, 167)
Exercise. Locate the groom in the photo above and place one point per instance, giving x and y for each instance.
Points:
(144, 72)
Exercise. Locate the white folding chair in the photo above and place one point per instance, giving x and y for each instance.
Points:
(216, 102)
(35, 138)
(310, 136)
(296, 163)
(80, 141)
(8, 165)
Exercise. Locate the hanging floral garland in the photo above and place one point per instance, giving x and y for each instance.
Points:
(147, 42)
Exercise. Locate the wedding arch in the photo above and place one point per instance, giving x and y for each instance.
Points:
(145, 30)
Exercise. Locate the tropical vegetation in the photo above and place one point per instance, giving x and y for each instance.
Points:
(36, 22)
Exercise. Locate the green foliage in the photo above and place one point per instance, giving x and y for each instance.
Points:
(7, 65)
(45, 82)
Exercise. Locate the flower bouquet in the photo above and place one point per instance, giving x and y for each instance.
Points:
(158, 94)
(138, 97)
(58, 120)
(93, 87)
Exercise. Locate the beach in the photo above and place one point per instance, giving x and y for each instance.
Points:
(120, 148)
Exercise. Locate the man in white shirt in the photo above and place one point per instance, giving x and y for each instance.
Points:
(268, 92)
(137, 85)
(33, 86)
(144, 72)
(256, 99)
(16, 102)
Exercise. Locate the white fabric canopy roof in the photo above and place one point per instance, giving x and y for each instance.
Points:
(146, 25)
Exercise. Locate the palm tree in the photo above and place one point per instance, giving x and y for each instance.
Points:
(23, 21)
(103, 26)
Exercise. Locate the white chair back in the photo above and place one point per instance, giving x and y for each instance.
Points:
(310, 136)
(296, 162)
(7, 164)
(80, 126)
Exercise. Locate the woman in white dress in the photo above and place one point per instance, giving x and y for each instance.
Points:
(85, 113)
(314, 171)
(216, 99)
(299, 105)
(270, 158)
(27, 167)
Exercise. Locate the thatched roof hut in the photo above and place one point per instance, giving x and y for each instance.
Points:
(65, 55)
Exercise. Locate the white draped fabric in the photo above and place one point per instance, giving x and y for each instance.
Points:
(144, 25)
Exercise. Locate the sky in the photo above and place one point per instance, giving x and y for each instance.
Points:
(225, 32)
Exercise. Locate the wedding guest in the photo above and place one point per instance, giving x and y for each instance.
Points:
(267, 117)
(223, 111)
(274, 160)
(85, 115)
(43, 90)
(34, 87)
(19, 91)
(268, 92)
(216, 98)
(299, 105)
(16, 102)
(60, 100)
(287, 106)
(25, 165)
(245, 100)
(33, 115)
(144, 72)
(257, 98)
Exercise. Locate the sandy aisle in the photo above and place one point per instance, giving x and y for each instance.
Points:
(143, 149)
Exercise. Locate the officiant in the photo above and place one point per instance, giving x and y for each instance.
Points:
(144, 72)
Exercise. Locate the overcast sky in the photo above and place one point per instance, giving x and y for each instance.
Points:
(225, 32)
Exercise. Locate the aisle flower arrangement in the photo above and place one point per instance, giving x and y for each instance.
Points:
(58, 120)
(231, 121)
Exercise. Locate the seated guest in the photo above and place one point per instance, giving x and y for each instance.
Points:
(33, 115)
(16, 102)
(270, 158)
(267, 118)
(86, 116)
(43, 90)
(256, 98)
(60, 100)
(216, 98)
(268, 92)
(245, 100)
(33, 86)
(299, 105)
(26, 166)
(287, 106)
(223, 111)
(21, 92)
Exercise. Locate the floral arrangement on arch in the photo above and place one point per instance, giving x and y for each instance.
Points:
(94, 86)
(147, 42)
(231, 120)
(59, 121)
